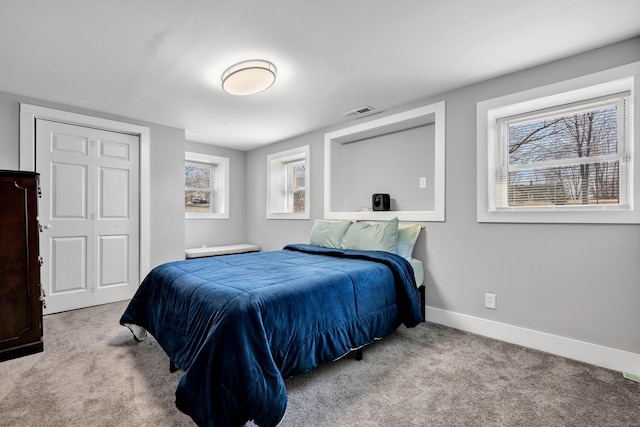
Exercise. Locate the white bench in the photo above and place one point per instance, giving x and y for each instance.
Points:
(221, 250)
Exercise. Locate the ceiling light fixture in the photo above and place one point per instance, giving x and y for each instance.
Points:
(249, 77)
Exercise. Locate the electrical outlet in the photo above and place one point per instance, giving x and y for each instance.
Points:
(423, 182)
(490, 300)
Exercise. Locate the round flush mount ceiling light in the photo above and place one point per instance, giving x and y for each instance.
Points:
(249, 77)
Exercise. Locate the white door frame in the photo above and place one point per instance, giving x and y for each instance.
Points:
(29, 114)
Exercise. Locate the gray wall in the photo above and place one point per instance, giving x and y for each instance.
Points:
(390, 163)
(218, 232)
(167, 172)
(576, 281)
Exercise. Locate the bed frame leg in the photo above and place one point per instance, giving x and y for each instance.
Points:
(172, 366)
(358, 355)
(421, 292)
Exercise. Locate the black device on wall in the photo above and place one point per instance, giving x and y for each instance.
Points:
(381, 202)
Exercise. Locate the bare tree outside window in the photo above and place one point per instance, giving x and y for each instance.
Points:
(198, 180)
(571, 158)
(296, 186)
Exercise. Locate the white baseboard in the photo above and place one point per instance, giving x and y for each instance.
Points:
(606, 357)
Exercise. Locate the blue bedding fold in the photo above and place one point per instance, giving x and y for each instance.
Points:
(238, 324)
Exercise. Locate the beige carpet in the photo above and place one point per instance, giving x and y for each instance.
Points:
(92, 373)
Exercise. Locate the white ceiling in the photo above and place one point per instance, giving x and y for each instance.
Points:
(161, 60)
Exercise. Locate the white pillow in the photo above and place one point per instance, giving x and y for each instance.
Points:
(407, 236)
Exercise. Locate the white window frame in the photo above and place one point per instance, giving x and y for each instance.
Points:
(278, 205)
(220, 185)
(606, 83)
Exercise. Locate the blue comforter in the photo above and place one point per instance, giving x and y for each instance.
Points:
(238, 324)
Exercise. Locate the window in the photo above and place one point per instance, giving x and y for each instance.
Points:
(198, 187)
(295, 186)
(288, 184)
(573, 156)
(206, 191)
(565, 155)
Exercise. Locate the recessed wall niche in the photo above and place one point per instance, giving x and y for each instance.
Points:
(401, 154)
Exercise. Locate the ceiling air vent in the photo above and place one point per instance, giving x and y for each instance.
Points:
(359, 111)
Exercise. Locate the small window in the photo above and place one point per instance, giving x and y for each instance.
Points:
(206, 186)
(562, 153)
(288, 184)
(198, 187)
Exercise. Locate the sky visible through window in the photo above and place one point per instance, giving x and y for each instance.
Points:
(569, 159)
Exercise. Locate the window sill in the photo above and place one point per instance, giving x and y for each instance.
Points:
(562, 216)
(284, 215)
(195, 215)
(422, 216)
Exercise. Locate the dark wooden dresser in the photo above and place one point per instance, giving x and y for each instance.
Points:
(20, 293)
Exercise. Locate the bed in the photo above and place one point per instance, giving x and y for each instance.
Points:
(237, 325)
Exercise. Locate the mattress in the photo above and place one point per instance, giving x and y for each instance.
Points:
(418, 271)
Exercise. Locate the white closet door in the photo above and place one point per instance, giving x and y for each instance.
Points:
(88, 213)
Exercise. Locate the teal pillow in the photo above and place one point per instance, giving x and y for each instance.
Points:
(378, 236)
(407, 236)
(328, 234)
